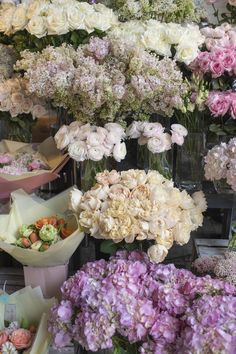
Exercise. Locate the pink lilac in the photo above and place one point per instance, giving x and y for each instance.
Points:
(128, 295)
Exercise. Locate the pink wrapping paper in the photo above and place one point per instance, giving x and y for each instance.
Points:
(50, 279)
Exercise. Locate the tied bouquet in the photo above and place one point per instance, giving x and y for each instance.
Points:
(134, 306)
(43, 233)
(21, 163)
(220, 163)
(14, 339)
(133, 204)
(89, 142)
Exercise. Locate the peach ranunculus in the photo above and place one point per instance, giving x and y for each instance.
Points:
(3, 337)
(21, 338)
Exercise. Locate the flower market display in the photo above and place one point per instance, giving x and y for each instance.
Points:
(143, 307)
(133, 205)
(117, 158)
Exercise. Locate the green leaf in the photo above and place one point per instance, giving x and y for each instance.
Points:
(25, 323)
(109, 247)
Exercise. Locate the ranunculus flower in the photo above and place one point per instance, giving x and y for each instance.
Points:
(48, 233)
(21, 338)
(180, 129)
(119, 151)
(78, 151)
(177, 139)
(152, 130)
(95, 153)
(159, 144)
(75, 198)
(62, 137)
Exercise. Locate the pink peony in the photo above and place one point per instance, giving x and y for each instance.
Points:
(218, 103)
(3, 337)
(21, 338)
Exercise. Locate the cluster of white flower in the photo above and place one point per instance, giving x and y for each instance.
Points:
(89, 142)
(160, 37)
(154, 136)
(16, 99)
(55, 17)
(133, 205)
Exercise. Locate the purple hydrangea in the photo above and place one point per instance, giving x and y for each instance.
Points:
(161, 308)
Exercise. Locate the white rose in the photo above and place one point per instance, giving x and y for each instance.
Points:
(100, 21)
(78, 151)
(56, 21)
(76, 17)
(157, 253)
(95, 153)
(119, 151)
(173, 32)
(36, 7)
(159, 144)
(6, 19)
(186, 53)
(37, 26)
(155, 40)
(19, 20)
(75, 198)
(62, 137)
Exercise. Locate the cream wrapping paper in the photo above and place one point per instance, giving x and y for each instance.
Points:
(25, 210)
(32, 180)
(33, 308)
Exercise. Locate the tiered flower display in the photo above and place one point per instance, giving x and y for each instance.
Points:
(133, 205)
(143, 307)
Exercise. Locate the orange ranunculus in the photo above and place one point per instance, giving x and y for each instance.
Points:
(39, 223)
(52, 221)
(65, 233)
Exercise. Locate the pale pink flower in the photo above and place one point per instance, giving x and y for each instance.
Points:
(218, 103)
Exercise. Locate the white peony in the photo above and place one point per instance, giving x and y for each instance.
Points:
(119, 151)
(200, 200)
(78, 151)
(75, 198)
(157, 253)
(37, 26)
(19, 20)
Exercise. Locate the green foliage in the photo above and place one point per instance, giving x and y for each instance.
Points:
(17, 128)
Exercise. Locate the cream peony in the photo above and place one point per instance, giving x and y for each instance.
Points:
(157, 253)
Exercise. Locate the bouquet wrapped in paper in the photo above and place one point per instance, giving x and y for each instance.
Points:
(52, 160)
(23, 322)
(25, 211)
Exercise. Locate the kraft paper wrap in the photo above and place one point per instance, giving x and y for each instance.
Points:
(25, 210)
(29, 181)
(32, 307)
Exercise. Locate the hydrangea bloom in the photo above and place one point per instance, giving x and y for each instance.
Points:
(153, 305)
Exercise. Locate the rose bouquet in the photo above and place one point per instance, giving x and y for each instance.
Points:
(43, 233)
(88, 142)
(154, 136)
(220, 163)
(137, 205)
(21, 163)
(167, 11)
(41, 18)
(105, 81)
(131, 304)
(23, 322)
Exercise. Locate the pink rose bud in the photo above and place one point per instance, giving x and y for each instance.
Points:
(3, 337)
(21, 338)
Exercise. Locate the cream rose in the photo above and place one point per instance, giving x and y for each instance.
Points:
(6, 18)
(75, 198)
(186, 52)
(78, 151)
(157, 253)
(75, 17)
(56, 21)
(37, 26)
(19, 20)
(36, 7)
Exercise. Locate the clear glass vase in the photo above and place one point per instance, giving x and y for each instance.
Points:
(87, 171)
(189, 162)
(161, 162)
(222, 187)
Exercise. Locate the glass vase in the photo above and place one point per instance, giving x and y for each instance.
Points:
(222, 187)
(189, 162)
(161, 162)
(88, 170)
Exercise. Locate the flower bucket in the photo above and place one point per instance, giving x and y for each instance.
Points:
(50, 279)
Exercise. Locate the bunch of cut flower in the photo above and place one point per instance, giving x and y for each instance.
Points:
(133, 204)
(132, 304)
(220, 163)
(43, 233)
(154, 136)
(89, 142)
(15, 338)
(223, 267)
(105, 80)
(21, 163)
